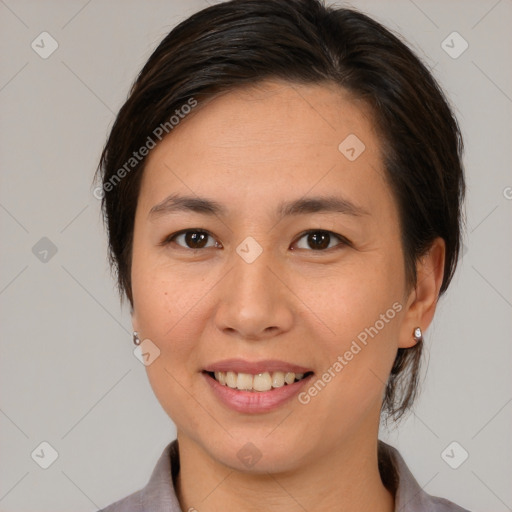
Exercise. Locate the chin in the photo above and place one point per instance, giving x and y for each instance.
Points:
(258, 453)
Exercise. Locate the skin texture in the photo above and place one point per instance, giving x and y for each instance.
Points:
(249, 150)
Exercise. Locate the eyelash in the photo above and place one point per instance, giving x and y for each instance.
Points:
(343, 241)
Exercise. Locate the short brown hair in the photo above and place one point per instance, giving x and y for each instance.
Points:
(240, 42)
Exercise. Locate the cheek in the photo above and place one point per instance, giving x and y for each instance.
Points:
(164, 307)
(356, 363)
(363, 311)
(162, 295)
(352, 299)
(164, 312)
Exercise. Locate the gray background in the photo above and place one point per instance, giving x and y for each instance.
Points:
(68, 375)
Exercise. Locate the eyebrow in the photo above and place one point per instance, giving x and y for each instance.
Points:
(323, 204)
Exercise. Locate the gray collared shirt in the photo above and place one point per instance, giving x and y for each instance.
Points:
(159, 494)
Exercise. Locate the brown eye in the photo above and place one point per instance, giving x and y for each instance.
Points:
(320, 240)
(191, 239)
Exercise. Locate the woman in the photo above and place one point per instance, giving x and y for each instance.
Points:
(282, 191)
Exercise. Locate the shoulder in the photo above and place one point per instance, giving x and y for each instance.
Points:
(442, 505)
(131, 503)
(409, 496)
(158, 495)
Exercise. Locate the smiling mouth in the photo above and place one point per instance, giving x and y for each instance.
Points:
(265, 381)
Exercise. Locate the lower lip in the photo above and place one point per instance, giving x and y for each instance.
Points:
(255, 401)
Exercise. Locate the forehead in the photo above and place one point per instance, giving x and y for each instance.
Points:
(274, 137)
(278, 113)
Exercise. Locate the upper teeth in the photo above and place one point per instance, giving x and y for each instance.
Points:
(260, 382)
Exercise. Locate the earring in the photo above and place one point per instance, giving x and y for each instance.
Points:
(136, 339)
(418, 335)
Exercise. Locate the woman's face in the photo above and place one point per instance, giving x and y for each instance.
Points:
(249, 291)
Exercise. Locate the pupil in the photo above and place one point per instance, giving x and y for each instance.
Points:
(195, 239)
(323, 238)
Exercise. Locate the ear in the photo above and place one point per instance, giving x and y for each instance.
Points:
(422, 300)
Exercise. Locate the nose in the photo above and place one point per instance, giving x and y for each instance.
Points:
(253, 301)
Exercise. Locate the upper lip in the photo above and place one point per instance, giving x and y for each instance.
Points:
(255, 367)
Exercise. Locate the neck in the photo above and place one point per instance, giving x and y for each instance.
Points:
(345, 479)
